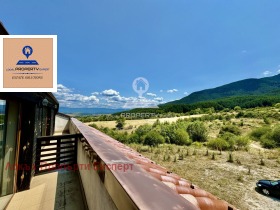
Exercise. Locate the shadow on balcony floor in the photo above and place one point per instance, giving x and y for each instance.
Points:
(59, 190)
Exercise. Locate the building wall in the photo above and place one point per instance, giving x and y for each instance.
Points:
(61, 124)
(102, 189)
(96, 194)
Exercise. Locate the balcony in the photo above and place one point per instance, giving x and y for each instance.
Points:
(86, 169)
(55, 190)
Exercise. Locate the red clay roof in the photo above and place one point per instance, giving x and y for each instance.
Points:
(191, 193)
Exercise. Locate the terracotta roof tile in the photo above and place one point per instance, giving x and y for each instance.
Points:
(192, 193)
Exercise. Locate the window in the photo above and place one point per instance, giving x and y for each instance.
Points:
(8, 142)
(2, 137)
(274, 183)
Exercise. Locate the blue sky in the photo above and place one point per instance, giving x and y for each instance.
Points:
(179, 46)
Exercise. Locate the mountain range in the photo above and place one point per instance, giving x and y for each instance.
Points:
(262, 86)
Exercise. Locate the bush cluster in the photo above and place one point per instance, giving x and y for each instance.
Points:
(229, 139)
(267, 136)
(179, 133)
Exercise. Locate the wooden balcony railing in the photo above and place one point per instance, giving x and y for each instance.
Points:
(54, 152)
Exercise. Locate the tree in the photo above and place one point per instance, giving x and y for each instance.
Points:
(134, 138)
(181, 137)
(120, 123)
(143, 130)
(153, 138)
(197, 131)
(219, 144)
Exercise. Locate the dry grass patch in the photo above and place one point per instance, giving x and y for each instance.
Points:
(233, 182)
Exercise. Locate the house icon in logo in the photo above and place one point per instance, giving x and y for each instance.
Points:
(140, 85)
(27, 51)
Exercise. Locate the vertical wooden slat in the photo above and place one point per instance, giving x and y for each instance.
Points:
(58, 141)
(76, 149)
(38, 156)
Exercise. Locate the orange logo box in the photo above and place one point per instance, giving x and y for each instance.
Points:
(28, 63)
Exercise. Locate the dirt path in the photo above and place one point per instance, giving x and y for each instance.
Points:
(137, 123)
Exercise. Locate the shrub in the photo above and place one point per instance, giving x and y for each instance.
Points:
(213, 156)
(269, 138)
(266, 120)
(197, 131)
(231, 129)
(181, 137)
(156, 123)
(239, 114)
(181, 157)
(197, 145)
(167, 131)
(144, 149)
(277, 105)
(93, 125)
(121, 136)
(230, 158)
(237, 108)
(276, 135)
(267, 141)
(230, 138)
(250, 114)
(134, 138)
(218, 144)
(120, 123)
(242, 141)
(143, 129)
(153, 138)
(257, 133)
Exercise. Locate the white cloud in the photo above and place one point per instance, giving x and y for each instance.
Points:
(172, 91)
(117, 99)
(161, 91)
(158, 99)
(142, 102)
(278, 71)
(105, 99)
(62, 88)
(267, 73)
(110, 92)
(67, 98)
(151, 94)
(186, 93)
